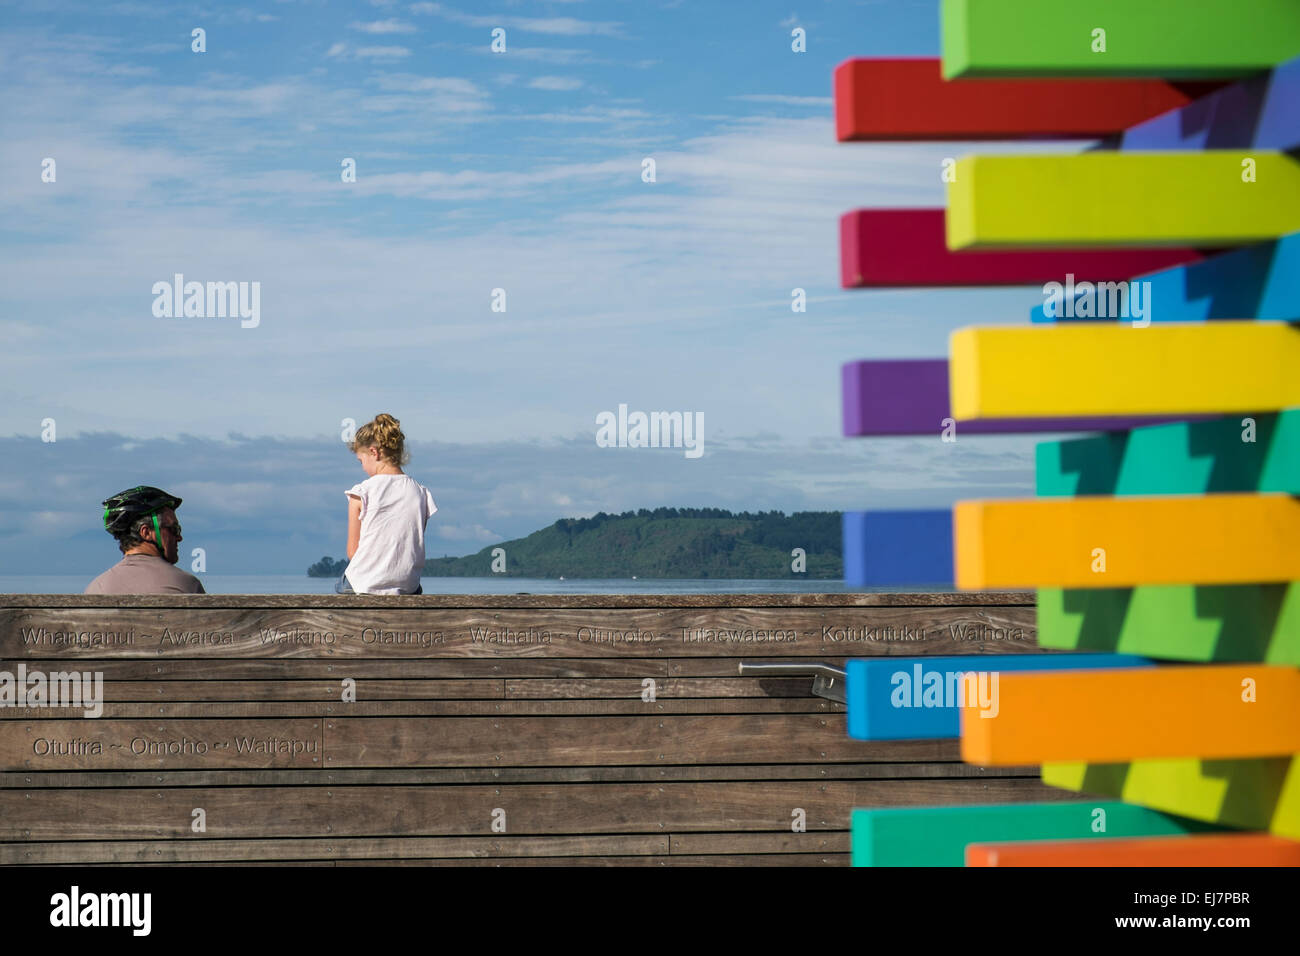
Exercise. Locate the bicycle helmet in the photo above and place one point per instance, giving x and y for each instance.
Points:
(124, 510)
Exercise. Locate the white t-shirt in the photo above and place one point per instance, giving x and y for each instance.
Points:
(390, 554)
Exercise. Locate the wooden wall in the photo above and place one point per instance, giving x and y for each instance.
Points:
(485, 730)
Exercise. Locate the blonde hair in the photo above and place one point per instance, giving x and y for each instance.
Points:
(385, 433)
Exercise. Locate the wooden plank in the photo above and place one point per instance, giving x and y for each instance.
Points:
(275, 863)
(174, 669)
(1206, 849)
(907, 98)
(584, 741)
(686, 688)
(516, 602)
(1122, 199)
(1124, 542)
(1260, 281)
(1229, 622)
(937, 836)
(891, 548)
(1167, 38)
(128, 852)
(922, 762)
(920, 698)
(352, 848)
(899, 248)
(451, 689)
(1257, 794)
(750, 632)
(1208, 711)
(1256, 453)
(911, 397)
(1262, 112)
(303, 690)
(389, 742)
(654, 808)
(704, 844)
(450, 708)
(746, 860)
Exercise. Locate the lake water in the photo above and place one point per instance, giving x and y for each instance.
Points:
(301, 584)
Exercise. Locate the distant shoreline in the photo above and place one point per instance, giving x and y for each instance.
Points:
(664, 544)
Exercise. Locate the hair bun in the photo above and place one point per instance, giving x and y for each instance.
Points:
(385, 432)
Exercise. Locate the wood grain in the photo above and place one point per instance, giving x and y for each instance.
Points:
(400, 632)
(447, 708)
(522, 600)
(907, 768)
(320, 811)
(449, 726)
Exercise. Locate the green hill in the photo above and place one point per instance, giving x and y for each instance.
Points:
(663, 543)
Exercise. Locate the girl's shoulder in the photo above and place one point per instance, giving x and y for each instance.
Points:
(406, 484)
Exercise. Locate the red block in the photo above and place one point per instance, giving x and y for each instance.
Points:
(889, 248)
(907, 99)
(1202, 849)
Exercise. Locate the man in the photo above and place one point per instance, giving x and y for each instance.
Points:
(143, 520)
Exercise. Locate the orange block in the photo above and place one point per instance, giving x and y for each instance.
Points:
(1110, 542)
(1116, 716)
(1211, 849)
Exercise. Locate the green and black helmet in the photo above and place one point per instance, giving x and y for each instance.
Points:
(126, 509)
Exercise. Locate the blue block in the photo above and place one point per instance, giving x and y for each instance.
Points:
(891, 548)
(1262, 112)
(886, 703)
(1256, 282)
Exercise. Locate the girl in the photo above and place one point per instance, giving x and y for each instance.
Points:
(386, 515)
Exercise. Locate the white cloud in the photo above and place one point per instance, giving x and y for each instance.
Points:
(546, 54)
(784, 100)
(383, 52)
(468, 533)
(411, 83)
(556, 83)
(607, 277)
(383, 26)
(553, 26)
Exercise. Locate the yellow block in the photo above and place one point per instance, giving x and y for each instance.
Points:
(1086, 368)
(1206, 711)
(1102, 542)
(1204, 198)
(1258, 793)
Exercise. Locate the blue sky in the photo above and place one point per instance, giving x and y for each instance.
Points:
(475, 171)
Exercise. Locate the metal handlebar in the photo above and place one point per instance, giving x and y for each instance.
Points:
(828, 680)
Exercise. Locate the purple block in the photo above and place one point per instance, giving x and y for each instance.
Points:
(1260, 113)
(910, 397)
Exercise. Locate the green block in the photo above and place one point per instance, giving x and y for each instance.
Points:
(1224, 622)
(1255, 794)
(937, 836)
(1179, 39)
(1186, 458)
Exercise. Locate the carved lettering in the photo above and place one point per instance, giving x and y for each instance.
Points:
(882, 632)
(375, 635)
(738, 635)
(177, 638)
(73, 746)
(506, 635)
(295, 635)
(39, 635)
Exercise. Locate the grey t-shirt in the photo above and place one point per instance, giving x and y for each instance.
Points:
(144, 574)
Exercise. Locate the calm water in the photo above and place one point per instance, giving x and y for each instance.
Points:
(301, 584)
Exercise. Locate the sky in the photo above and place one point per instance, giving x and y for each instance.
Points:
(475, 171)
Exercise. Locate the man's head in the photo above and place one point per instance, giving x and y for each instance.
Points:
(143, 520)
